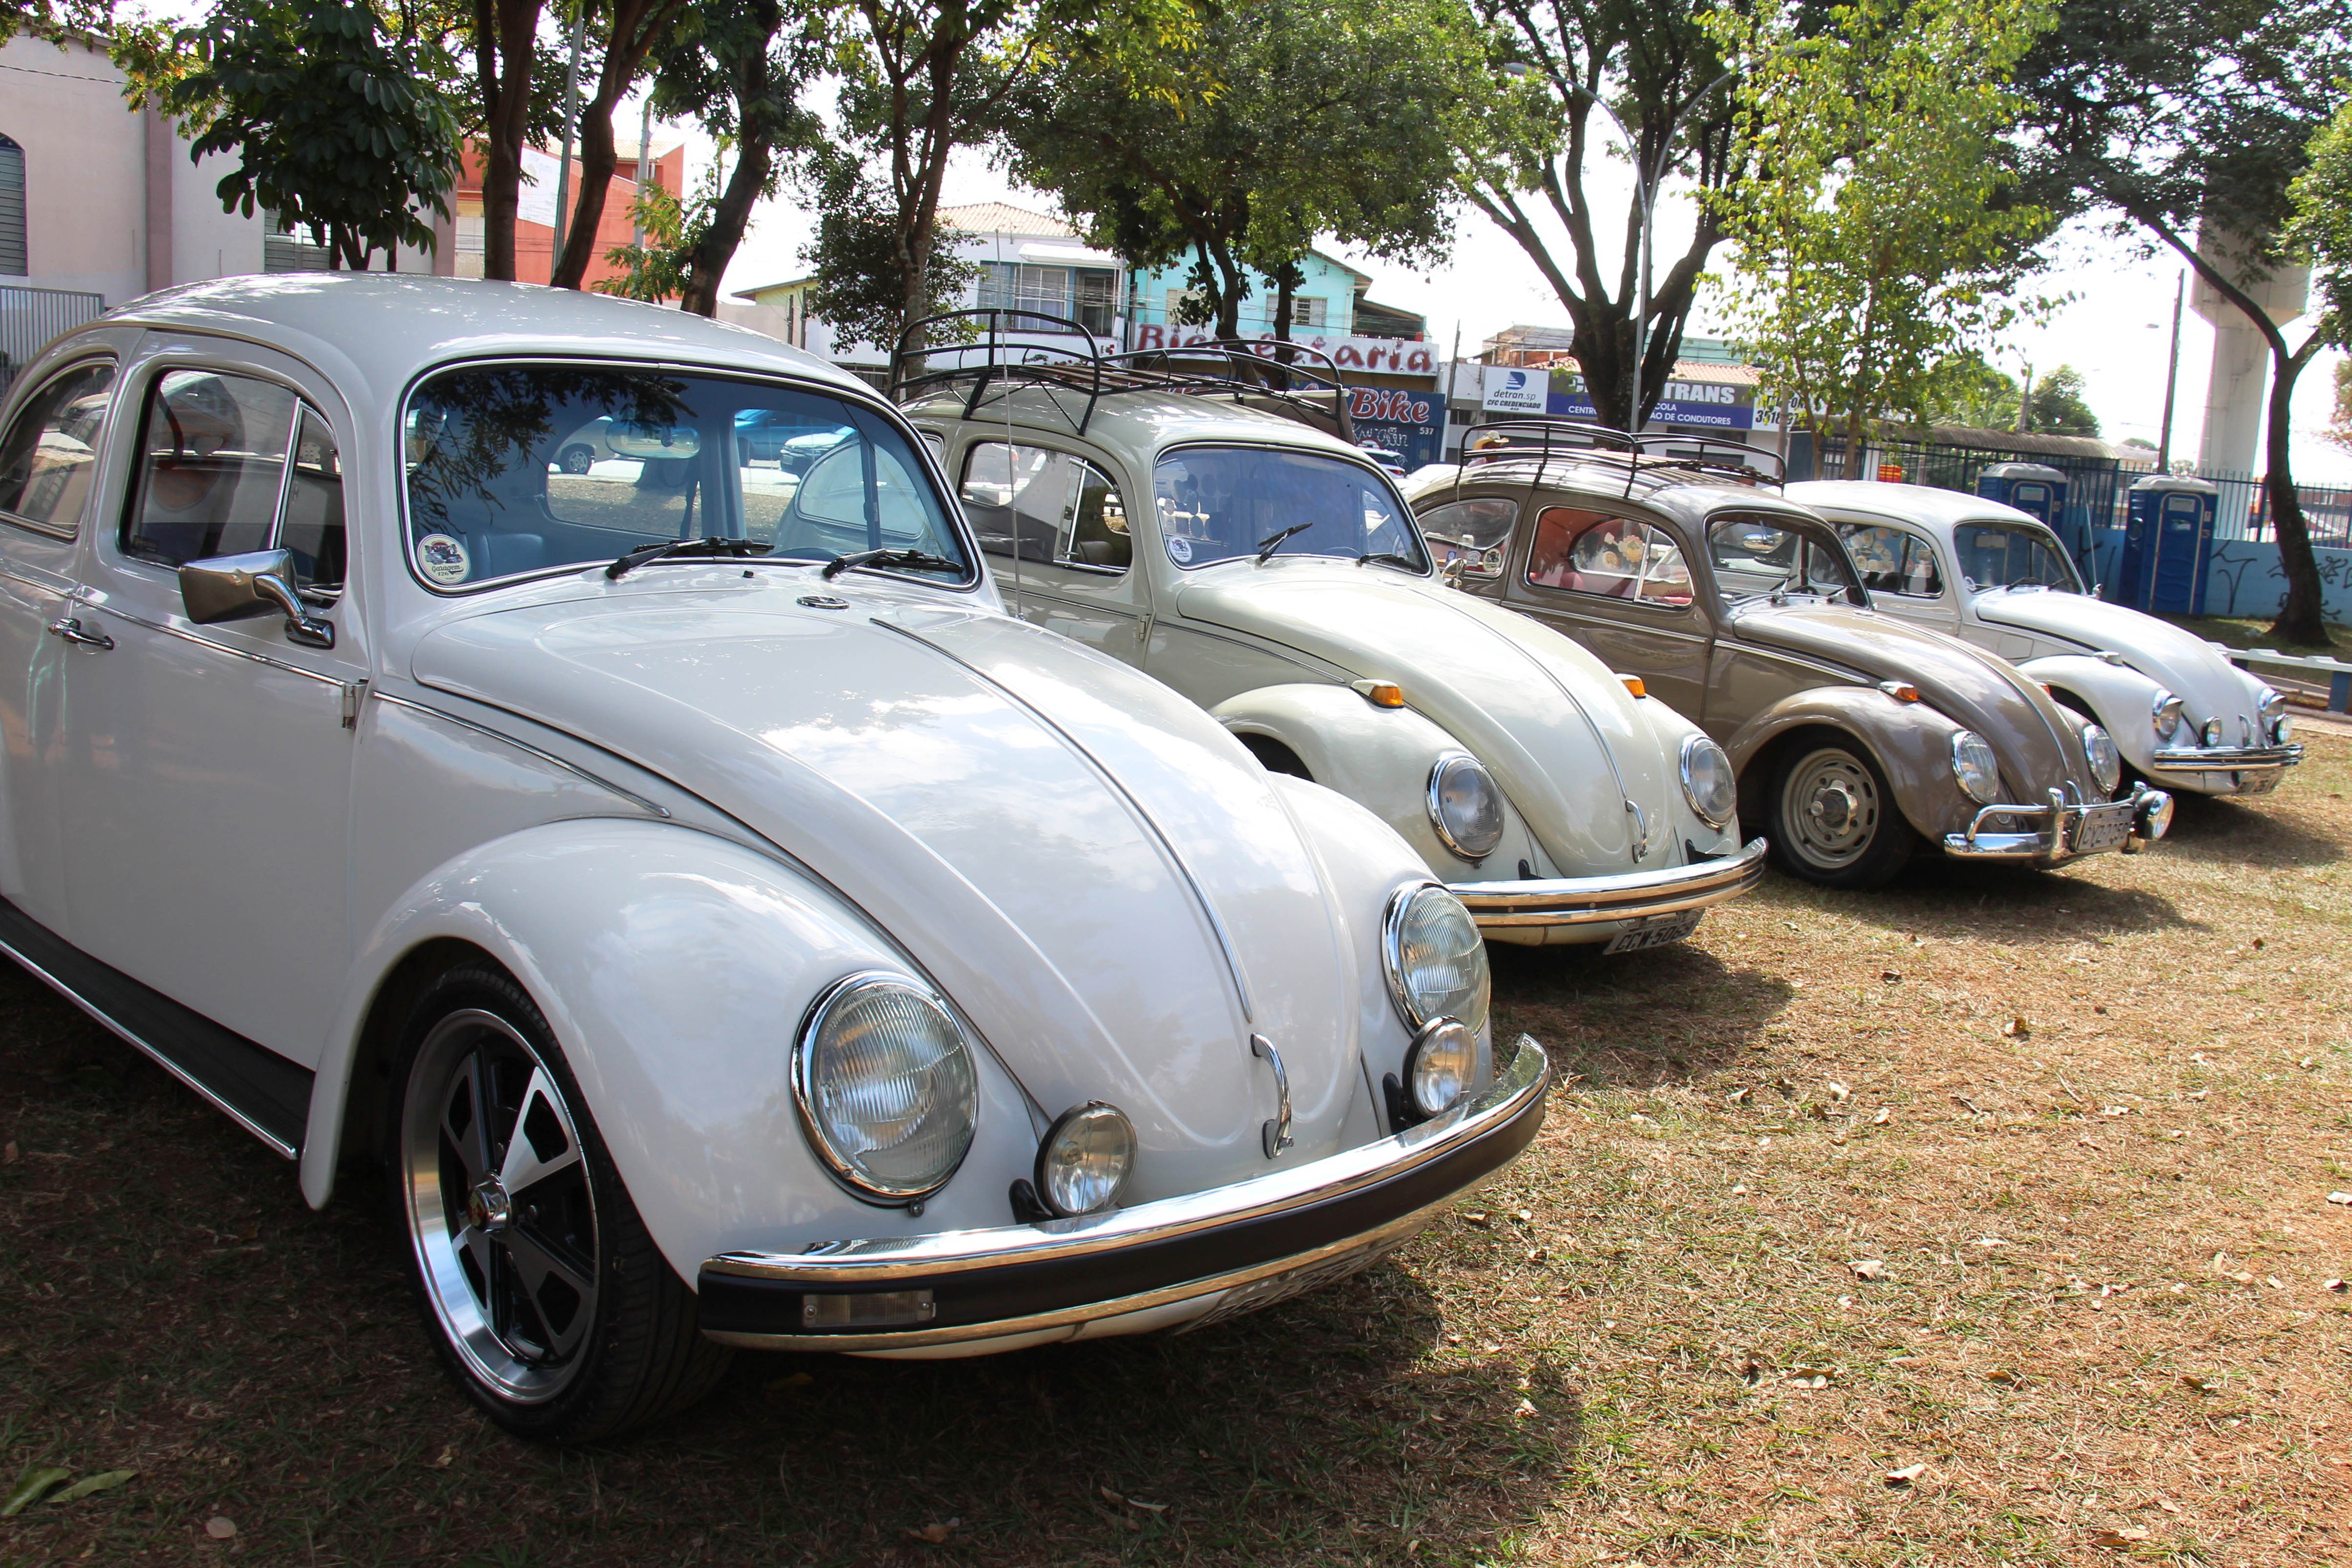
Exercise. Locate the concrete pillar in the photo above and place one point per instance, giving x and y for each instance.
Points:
(163, 150)
(2237, 387)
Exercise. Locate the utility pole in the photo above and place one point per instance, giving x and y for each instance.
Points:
(2171, 374)
(645, 170)
(1452, 379)
(2025, 403)
(571, 115)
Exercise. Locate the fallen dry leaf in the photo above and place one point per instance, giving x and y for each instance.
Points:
(2336, 1285)
(935, 1535)
(2339, 1197)
(2017, 1029)
(2004, 1374)
(1880, 1120)
(1837, 1090)
(220, 1528)
(446, 1457)
(2168, 1505)
(1868, 1269)
(2202, 1385)
(2118, 1540)
(1477, 1219)
(1890, 976)
(104, 1481)
(1525, 1409)
(1905, 1475)
(8, 1154)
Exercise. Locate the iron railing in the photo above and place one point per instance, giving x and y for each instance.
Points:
(30, 318)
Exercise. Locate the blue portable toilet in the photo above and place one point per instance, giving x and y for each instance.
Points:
(2166, 544)
(2040, 491)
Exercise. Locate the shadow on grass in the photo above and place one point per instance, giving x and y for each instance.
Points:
(1937, 897)
(2257, 833)
(1637, 1019)
(169, 1305)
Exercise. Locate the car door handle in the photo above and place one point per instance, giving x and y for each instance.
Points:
(70, 628)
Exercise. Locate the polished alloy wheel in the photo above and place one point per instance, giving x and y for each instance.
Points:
(1829, 809)
(499, 1206)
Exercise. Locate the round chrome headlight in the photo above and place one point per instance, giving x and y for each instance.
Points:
(1436, 961)
(1464, 806)
(1083, 1164)
(1975, 768)
(2164, 713)
(885, 1085)
(1439, 1067)
(2270, 704)
(2106, 763)
(2213, 733)
(1707, 782)
(2282, 730)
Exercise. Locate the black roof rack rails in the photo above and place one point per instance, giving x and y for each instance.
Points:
(981, 356)
(1515, 440)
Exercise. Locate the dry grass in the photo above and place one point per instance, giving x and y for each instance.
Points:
(2103, 1314)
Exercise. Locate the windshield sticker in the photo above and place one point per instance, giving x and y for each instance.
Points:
(1180, 550)
(442, 558)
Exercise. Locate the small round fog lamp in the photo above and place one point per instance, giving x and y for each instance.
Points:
(1083, 1163)
(1439, 1067)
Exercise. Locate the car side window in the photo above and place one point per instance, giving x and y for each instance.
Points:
(1046, 506)
(1892, 560)
(1481, 522)
(48, 459)
(1615, 557)
(212, 462)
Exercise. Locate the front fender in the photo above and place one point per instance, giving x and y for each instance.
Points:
(1910, 742)
(2119, 696)
(1381, 759)
(675, 968)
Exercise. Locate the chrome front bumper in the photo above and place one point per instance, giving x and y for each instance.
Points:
(2224, 759)
(1595, 901)
(2066, 830)
(1025, 1283)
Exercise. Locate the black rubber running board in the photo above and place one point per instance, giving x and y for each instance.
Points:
(263, 1092)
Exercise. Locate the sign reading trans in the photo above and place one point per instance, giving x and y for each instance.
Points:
(1701, 405)
(1514, 391)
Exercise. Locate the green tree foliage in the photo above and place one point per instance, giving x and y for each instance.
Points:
(2319, 234)
(2339, 418)
(2057, 408)
(865, 290)
(2173, 119)
(48, 18)
(1234, 133)
(654, 270)
(1964, 389)
(627, 32)
(1877, 231)
(336, 126)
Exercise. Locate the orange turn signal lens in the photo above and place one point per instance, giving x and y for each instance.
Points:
(1381, 693)
(1901, 690)
(1634, 686)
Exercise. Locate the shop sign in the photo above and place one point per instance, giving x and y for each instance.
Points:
(1701, 405)
(1512, 390)
(1390, 356)
(1406, 422)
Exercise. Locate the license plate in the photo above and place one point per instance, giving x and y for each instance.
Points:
(2262, 783)
(1672, 927)
(2102, 828)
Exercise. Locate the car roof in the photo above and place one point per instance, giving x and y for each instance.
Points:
(1138, 423)
(1924, 504)
(1680, 493)
(382, 329)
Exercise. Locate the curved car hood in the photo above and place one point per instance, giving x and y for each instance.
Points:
(2211, 686)
(2037, 746)
(951, 772)
(1528, 701)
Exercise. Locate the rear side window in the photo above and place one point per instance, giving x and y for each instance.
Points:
(1893, 562)
(1047, 506)
(48, 459)
(1615, 557)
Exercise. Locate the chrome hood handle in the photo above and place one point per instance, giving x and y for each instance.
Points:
(1276, 1132)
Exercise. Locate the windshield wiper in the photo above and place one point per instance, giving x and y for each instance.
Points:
(1267, 546)
(921, 560)
(645, 553)
(1388, 558)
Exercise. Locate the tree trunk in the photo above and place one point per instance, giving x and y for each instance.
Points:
(707, 263)
(2300, 619)
(637, 26)
(503, 30)
(1856, 439)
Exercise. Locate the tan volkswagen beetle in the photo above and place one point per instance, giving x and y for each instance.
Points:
(1857, 738)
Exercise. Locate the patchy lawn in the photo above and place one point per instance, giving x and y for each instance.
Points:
(2240, 631)
(2014, 1184)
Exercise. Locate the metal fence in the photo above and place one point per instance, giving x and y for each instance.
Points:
(2244, 509)
(30, 318)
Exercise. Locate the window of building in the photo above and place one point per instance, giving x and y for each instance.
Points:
(284, 250)
(1015, 286)
(1306, 312)
(473, 238)
(1097, 297)
(12, 210)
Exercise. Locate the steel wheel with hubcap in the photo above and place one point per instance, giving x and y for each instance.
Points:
(1834, 819)
(546, 1296)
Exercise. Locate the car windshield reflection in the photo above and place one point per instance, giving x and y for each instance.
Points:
(1758, 557)
(1219, 503)
(2012, 555)
(513, 469)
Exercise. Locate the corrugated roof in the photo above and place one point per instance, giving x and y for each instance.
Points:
(2015, 441)
(996, 217)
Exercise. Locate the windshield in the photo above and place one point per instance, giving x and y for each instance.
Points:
(1753, 556)
(519, 468)
(2012, 555)
(1219, 502)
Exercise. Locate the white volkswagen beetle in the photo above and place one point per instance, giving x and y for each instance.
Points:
(2183, 716)
(1200, 528)
(725, 925)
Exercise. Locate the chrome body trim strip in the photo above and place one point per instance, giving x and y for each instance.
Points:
(2225, 759)
(1637, 895)
(169, 631)
(1151, 824)
(872, 1264)
(548, 757)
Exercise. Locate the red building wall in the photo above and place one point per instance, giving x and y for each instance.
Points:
(535, 242)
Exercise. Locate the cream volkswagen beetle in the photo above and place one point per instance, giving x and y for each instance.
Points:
(725, 925)
(1197, 525)
(2183, 716)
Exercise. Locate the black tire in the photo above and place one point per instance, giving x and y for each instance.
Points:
(608, 1337)
(576, 460)
(1834, 819)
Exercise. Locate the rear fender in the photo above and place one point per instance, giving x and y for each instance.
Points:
(1911, 742)
(675, 969)
(1381, 758)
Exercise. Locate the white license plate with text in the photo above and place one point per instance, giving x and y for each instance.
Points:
(1672, 927)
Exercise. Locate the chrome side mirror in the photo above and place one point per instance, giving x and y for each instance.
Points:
(237, 587)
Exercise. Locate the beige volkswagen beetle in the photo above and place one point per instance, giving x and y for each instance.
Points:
(1210, 522)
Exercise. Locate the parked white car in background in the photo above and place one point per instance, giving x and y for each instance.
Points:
(2183, 716)
(723, 924)
(1200, 528)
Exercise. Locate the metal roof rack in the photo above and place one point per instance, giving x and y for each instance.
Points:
(1273, 378)
(1520, 440)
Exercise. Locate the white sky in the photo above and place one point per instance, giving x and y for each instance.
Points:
(2115, 329)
